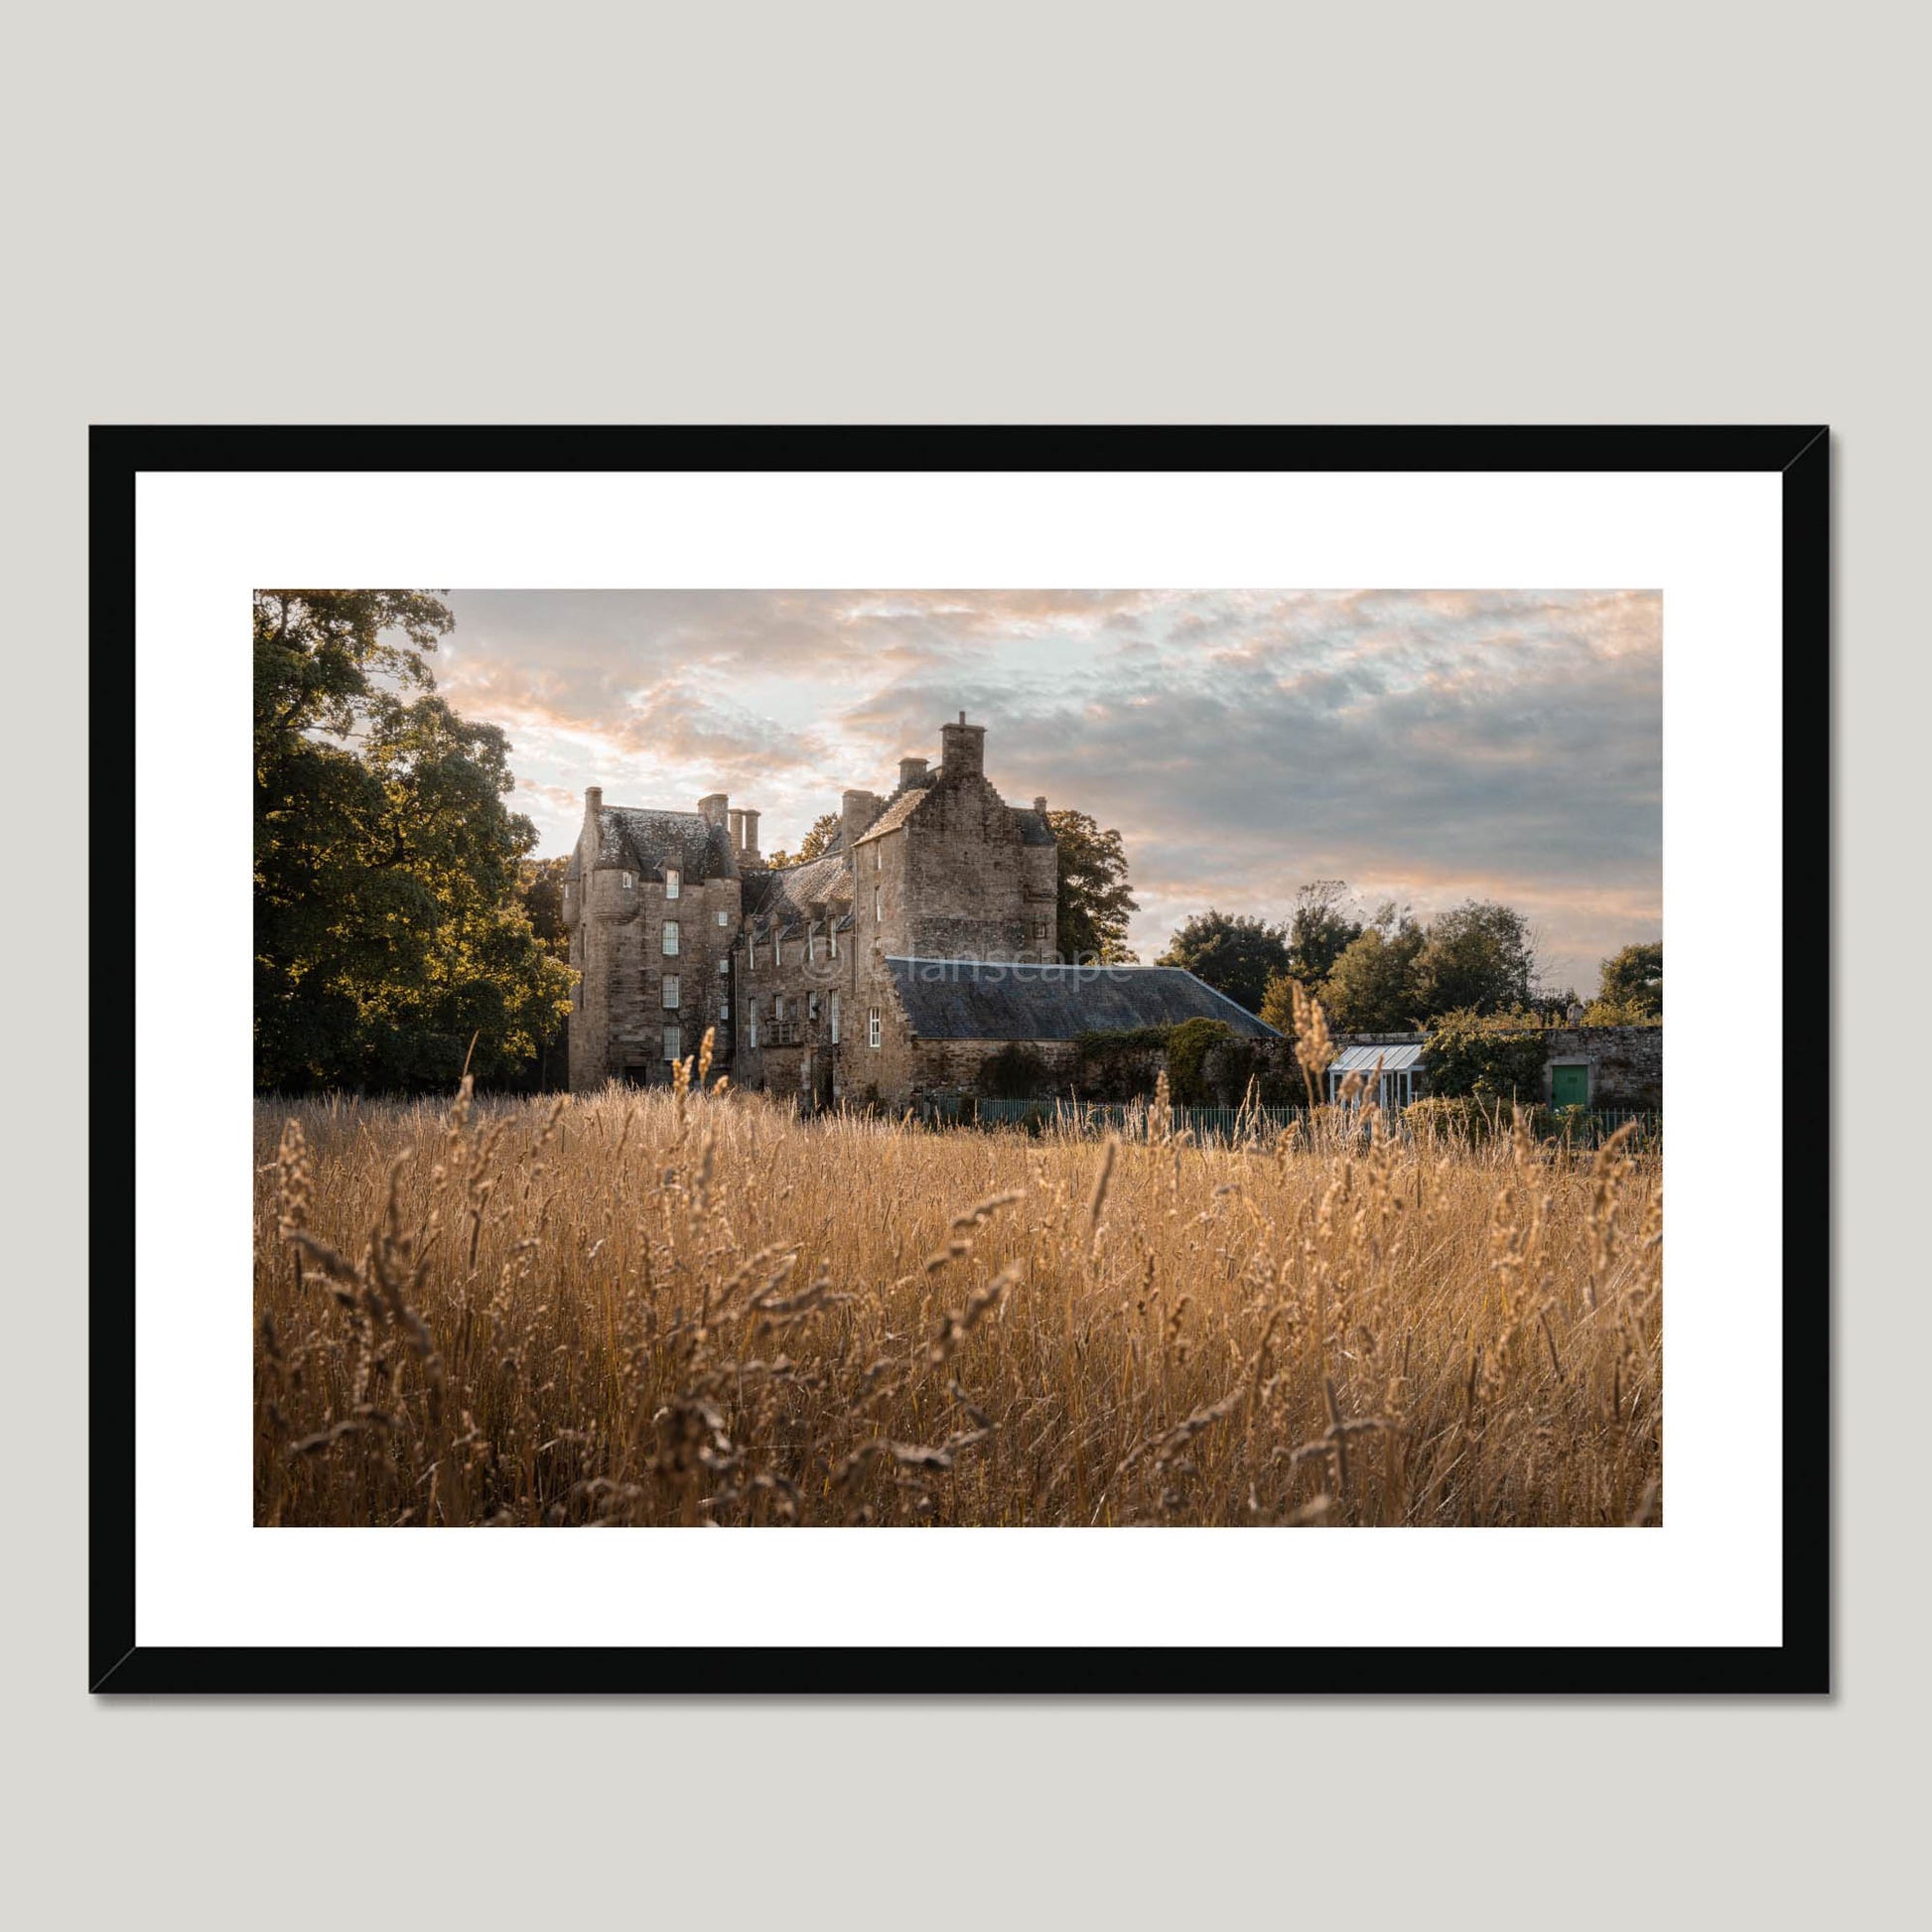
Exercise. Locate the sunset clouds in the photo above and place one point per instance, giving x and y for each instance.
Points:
(1425, 745)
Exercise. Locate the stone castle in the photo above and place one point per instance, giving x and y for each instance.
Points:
(885, 971)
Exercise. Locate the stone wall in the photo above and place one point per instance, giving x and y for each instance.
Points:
(1626, 1063)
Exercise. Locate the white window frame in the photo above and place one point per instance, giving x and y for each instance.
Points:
(625, 880)
(674, 1041)
(777, 1008)
(724, 1009)
(811, 948)
(835, 1018)
(834, 937)
(752, 947)
(674, 940)
(875, 1030)
(672, 992)
(754, 1017)
(878, 905)
(724, 917)
(673, 882)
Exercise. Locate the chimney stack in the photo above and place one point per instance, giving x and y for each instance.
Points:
(714, 806)
(750, 849)
(856, 810)
(1039, 805)
(911, 771)
(962, 749)
(593, 800)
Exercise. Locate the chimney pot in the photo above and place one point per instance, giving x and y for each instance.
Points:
(962, 749)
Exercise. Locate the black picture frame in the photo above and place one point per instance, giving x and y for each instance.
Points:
(1801, 1663)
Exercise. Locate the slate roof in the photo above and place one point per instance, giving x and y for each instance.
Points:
(648, 841)
(1034, 828)
(896, 813)
(973, 999)
(799, 893)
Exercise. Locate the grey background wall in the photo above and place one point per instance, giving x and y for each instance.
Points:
(992, 212)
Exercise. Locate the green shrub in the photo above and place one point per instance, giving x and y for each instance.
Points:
(1490, 1056)
(1188, 1049)
(1015, 1073)
(1121, 1064)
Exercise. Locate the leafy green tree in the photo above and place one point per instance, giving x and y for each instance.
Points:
(1374, 988)
(1495, 1058)
(1095, 898)
(815, 845)
(1235, 953)
(540, 889)
(1320, 929)
(1633, 982)
(1277, 1003)
(390, 930)
(1480, 956)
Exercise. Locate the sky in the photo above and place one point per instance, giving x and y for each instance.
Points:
(1423, 745)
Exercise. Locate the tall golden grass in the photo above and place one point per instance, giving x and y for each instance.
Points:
(691, 1307)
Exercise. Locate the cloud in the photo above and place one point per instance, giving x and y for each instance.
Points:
(1425, 745)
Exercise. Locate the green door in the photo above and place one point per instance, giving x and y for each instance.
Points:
(1570, 1086)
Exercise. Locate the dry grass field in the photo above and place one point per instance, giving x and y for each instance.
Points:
(679, 1307)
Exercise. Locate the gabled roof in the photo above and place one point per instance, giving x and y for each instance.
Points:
(896, 813)
(648, 841)
(805, 891)
(978, 999)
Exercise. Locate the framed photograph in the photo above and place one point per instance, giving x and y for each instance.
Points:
(1016, 1060)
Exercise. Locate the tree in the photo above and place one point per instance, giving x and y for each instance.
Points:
(1633, 982)
(540, 889)
(1495, 1058)
(1477, 957)
(1321, 930)
(1277, 1003)
(815, 845)
(1374, 988)
(1236, 954)
(388, 925)
(1095, 898)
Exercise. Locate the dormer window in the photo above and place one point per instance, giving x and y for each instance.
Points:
(624, 880)
(673, 882)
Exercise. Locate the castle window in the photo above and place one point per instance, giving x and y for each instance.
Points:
(811, 947)
(724, 917)
(811, 1006)
(878, 854)
(753, 946)
(835, 943)
(777, 1008)
(673, 882)
(671, 938)
(754, 1017)
(724, 969)
(876, 900)
(1040, 931)
(872, 1026)
(673, 1043)
(670, 990)
(835, 1018)
(624, 880)
(724, 1009)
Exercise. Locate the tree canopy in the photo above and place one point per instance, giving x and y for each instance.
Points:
(1235, 953)
(815, 845)
(388, 923)
(1374, 987)
(1322, 928)
(1631, 988)
(1095, 898)
(1478, 956)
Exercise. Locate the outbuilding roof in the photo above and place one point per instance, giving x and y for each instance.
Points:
(980, 999)
(1365, 1059)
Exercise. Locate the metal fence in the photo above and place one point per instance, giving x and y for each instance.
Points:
(1575, 1127)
